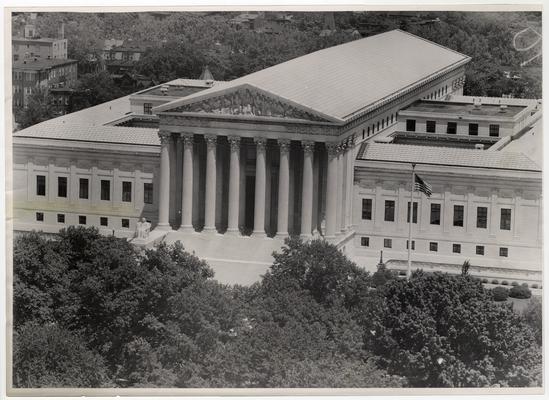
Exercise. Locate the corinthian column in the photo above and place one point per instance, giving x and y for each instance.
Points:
(283, 188)
(331, 191)
(187, 196)
(307, 196)
(234, 184)
(260, 187)
(209, 220)
(164, 195)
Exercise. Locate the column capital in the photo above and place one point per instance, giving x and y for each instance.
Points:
(234, 141)
(308, 146)
(164, 136)
(284, 145)
(211, 141)
(332, 148)
(188, 139)
(260, 143)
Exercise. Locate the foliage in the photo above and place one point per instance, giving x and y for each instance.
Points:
(382, 276)
(443, 331)
(94, 88)
(533, 315)
(500, 293)
(465, 268)
(520, 292)
(39, 109)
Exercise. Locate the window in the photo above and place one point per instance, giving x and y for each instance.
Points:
(40, 185)
(413, 244)
(147, 108)
(378, 125)
(61, 218)
(435, 214)
(473, 129)
(414, 218)
(388, 243)
(392, 118)
(125, 223)
(503, 252)
(482, 217)
(451, 128)
(480, 250)
(390, 210)
(365, 241)
(148, 193)
(84, 186)
(505, 221)
(61, 186)
(431, 126)
(458, 215)
(410, 125)
(40, 216)
(368, 131)
(126, 191)
(456, 248)
(103, 221)
(382, 123)
(494, 130)
(433, 246)
(82, 219)
(105, 189)
(367, 209)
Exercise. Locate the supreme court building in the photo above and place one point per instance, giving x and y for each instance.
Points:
(319, 146)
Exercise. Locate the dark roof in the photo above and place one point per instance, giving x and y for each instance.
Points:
(41, 63)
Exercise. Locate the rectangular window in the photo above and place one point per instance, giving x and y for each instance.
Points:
(503, 252)
(61, 186)
(494, 130)
(414, 217)
(388, 243)
(451, 128)
(413, 244)
(61, 218)
(84, 188)
(480, 250)
(435, 214)
(367, 209)
(505, 221)
(126, 191)
(103, 221)
(431, 126)
(390, 210)
(473, 129)
(40, 216)
(125, 223)
(148, 193)
(458, 215)
(40, 185)
(147, 108)
(365, 241)
(410, 125)
(82, 219)
(433, 246)
(482, 217)
(456, 248)
(105, 189)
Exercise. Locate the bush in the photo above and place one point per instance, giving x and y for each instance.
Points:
(505, 283)
(520, 292)
(514, 283)
(495, 282)
(484, 280)
(534, 286)
(500, 293)
(382, 276)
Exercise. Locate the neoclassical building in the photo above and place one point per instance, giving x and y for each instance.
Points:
(232, 168)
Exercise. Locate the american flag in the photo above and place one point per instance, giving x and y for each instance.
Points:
(421, 186)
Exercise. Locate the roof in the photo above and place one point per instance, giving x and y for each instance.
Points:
(344, 80)
(530, 142)
(464, 108)
(41, 63)
(407, 153)
(41, 40)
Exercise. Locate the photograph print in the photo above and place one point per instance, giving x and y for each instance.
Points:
(274, 200)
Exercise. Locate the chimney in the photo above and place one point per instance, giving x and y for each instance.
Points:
(62, 31)
(477, 103)
(479, 146)
(503, 108)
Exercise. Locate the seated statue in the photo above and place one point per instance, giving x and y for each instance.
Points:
(143, 228)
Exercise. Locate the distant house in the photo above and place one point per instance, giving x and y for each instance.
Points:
(41, 48)
(122, 56)
(261, 22)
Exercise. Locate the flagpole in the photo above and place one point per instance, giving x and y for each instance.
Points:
(411, 218)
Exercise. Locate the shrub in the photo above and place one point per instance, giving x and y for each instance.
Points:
(534, 286)
(484, 280)
(514, 283)
(520, 292)
(495, 281)
(524, 284)
(505, 283)
(500, 293)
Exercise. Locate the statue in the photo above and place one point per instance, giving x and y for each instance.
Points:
(143, 228)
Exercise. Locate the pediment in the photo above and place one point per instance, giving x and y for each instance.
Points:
(247, 100)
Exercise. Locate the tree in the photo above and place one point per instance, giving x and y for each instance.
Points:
(39, 108)
(92, 89)
(444, 331)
